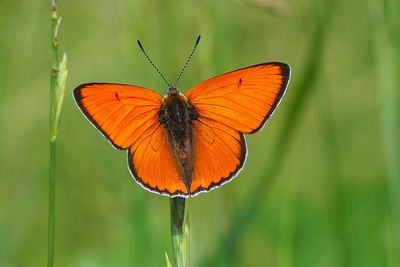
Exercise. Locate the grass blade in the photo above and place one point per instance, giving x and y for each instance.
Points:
(58, 78)
(179, 232)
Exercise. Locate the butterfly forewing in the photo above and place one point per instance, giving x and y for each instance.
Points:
(122, 113)
(243, 99)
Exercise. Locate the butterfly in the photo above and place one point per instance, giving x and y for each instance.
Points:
(180, 145)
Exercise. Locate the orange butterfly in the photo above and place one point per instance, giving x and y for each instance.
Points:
(185, 144)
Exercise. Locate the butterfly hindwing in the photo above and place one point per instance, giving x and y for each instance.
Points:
(219, 154)
(152, 164)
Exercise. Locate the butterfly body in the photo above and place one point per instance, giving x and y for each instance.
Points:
(176, 115)
(184, 144)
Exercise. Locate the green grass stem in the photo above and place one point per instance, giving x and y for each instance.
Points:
(179, 232)
(58, 76)
(52, 195)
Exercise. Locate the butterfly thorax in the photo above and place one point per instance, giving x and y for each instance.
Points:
(176, 115)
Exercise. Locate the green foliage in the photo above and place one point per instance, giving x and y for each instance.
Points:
(386, 37)
(320, 185)
(169, 264)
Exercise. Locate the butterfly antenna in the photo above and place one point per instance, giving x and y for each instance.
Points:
(187, 61)
(151, 62)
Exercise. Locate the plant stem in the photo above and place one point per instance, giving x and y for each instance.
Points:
(56, 96)
(179, 232)
(52, 194)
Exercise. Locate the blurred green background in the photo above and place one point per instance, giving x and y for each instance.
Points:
(321, 183)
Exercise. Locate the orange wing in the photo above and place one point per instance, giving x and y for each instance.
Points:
(128, 117)
(219, 154)
(122, 113)
(229, 105)
(243, 99)
(151, 160)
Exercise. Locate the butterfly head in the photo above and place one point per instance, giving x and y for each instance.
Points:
(172, 90)
(172, 87)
